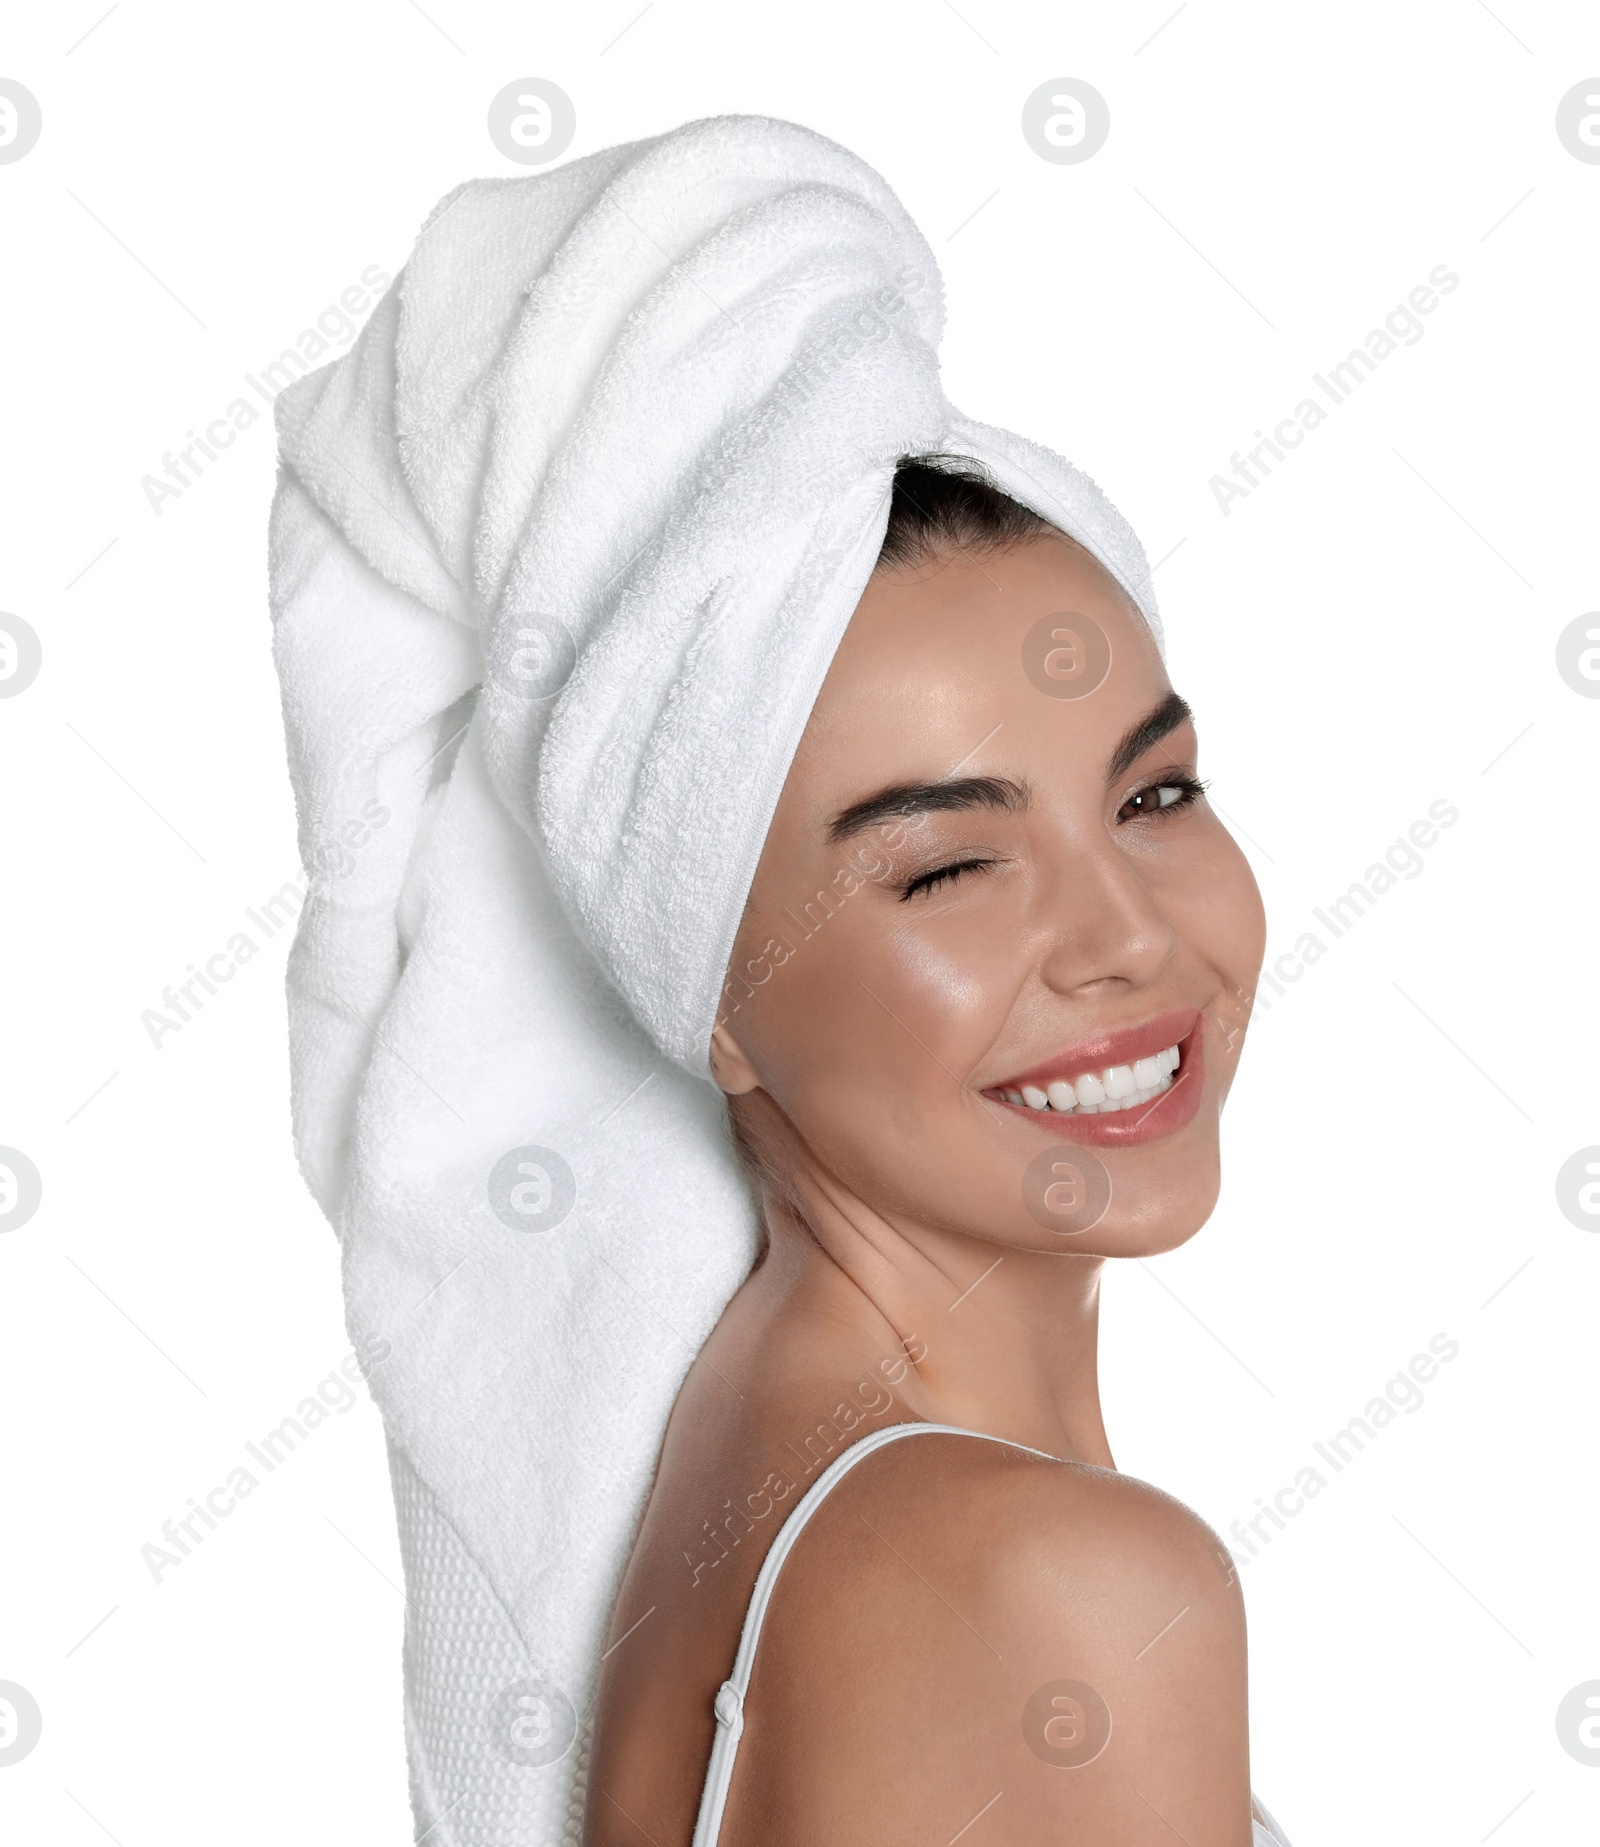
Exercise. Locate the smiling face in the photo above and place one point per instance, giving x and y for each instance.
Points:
(994, 970)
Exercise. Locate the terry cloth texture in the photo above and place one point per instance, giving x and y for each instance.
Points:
(560, 553)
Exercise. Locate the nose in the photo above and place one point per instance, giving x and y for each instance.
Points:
(1102, 923)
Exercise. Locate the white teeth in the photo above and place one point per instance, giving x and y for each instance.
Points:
(1135, 1098)
(1101, 1093)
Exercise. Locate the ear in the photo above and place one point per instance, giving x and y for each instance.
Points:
(733, 1071)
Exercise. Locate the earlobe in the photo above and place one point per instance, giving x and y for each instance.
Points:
(733, 1071)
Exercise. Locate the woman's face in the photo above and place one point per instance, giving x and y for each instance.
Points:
(991, 881)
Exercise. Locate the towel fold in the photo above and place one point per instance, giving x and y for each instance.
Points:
(560, 553)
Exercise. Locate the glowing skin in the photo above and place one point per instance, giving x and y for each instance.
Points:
(864, 1057)
(867, 1047)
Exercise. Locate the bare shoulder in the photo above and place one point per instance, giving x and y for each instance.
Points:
(1081, 1538)
(969, 1622)
(1063, 1556)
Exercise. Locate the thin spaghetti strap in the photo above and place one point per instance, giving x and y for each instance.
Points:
(729, 1705)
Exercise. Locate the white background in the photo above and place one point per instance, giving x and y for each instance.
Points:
(1370, 631)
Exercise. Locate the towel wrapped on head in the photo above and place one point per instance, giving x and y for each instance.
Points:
(560, 554)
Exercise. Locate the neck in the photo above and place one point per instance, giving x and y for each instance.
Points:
(999, 1341)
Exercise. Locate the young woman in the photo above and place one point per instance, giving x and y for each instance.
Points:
(697, 757)
(997, 954)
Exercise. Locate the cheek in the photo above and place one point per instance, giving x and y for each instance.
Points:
(873, 1021)
(1218, 912)
(1248, 919)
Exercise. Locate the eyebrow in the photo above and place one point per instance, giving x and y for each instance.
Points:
(1150, 730)
(1000, 793)
(903, 799)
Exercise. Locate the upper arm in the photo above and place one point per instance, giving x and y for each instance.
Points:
(1061, 1643)
(1127, 1654)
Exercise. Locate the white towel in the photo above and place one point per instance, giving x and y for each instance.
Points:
(560, 554)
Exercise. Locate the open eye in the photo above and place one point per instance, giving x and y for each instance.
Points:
(931, 881)
(1162, 797)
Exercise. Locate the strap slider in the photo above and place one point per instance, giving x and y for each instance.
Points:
(729, 1708)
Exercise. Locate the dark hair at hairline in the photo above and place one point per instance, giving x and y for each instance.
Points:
(944, 503)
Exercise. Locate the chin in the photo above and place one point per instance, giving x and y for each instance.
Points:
(1156, 1202)
(1151, 1234)
(1158, 1209)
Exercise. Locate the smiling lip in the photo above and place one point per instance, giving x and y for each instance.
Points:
(1122, 1048)
(1172, 1110)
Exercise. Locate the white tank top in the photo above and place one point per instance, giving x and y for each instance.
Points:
(729, 1705)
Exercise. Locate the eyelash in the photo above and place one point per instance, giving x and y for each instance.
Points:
(1189, 788)
(1189, 792)
(930, 881)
